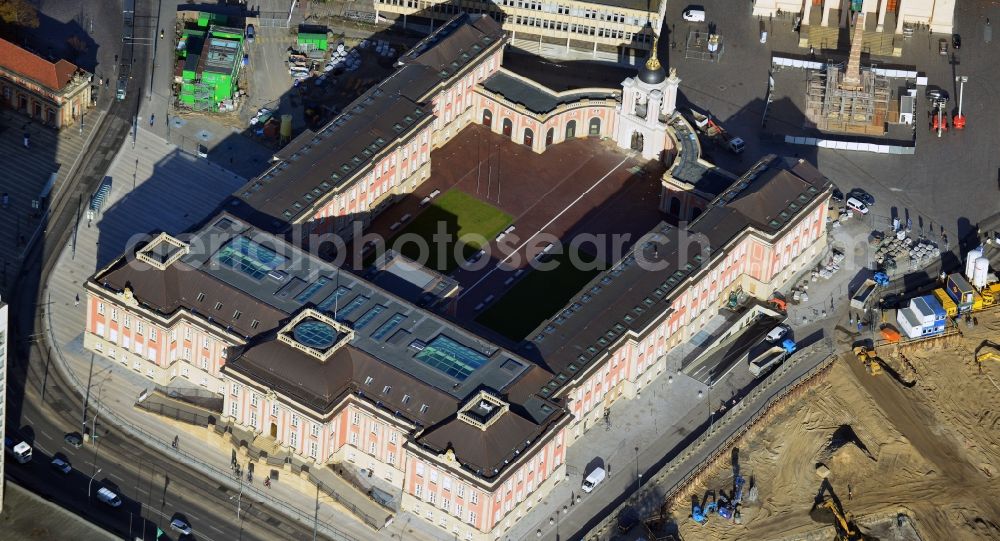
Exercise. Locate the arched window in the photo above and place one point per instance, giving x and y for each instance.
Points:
(549, 136)
(508, 127)
(570, 129)
(487, 118)
(595, 127)
(675, 206)
(529, 137)
(637, 141)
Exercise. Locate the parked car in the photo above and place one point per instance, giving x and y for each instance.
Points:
(956, 41)
(862, 196)
(776, 334)
(694, 14)
(837, 196)
(856, 206)
(61, 465)
(74, 439)
(943, 47)
(180, 526)
(251, 33)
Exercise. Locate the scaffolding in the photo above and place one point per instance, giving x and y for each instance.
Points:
(861, 108)
(847, 99)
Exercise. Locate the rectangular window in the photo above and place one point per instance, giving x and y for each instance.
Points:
(139, 327)
(314, 430)
(127, 320)
(420, 469)
(418, 490)
(371, 448)
(236, 389)
(100, 308)
(313, 449)
(474, 496)
(393, 436)
(233, 408)
(356, 418)
(391, 459)
(253, 399)
(431, 497)
(274, 410)
(152, 334)
(354, 438)
(295, 420)
(461, 490)
(434, 476)
(446, 484)
(114, 314)
(472, 518)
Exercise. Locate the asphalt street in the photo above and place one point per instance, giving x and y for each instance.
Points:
(950, 183)
(43, 407)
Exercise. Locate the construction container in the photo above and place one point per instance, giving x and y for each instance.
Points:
(991, 294)
(960, 291)
(309, 41)
(949, 305)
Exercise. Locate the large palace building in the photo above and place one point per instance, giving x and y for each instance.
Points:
(338, 370)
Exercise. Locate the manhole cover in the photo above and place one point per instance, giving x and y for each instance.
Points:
(177, 122)
(204, 135)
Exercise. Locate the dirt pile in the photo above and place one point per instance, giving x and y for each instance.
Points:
(930, 451)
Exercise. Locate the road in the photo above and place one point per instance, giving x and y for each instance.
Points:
(45, 407)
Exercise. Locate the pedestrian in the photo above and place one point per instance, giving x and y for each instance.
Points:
(6, 200)
(27, 140)
(76, 302)
(152, 118)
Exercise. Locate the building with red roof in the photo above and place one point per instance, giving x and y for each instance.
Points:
(54, 93)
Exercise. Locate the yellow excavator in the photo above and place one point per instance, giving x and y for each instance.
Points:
(983, 356)
(846, 531)
(869, 358)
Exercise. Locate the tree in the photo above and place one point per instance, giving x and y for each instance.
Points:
(19, 13)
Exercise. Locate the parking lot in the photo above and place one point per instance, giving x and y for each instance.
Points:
(734, 90)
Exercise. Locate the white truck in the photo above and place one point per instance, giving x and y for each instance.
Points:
(593, 479)
(107, 496)
(762, 358)
(21, 451)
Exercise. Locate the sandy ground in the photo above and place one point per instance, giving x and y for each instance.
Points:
(931, 451)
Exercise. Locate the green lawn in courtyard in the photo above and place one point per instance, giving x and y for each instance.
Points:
(462, 217)
(537, 297)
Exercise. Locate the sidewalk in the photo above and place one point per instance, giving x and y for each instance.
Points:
(28, 172)
(151, 191)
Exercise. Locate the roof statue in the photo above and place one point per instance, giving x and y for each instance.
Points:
(652, 72)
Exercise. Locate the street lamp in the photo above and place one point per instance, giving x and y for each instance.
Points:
(638, 476)
(959, 120)
(90, 484)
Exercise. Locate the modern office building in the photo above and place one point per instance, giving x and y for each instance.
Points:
(364, 374)
(625, 27)
(56, 94)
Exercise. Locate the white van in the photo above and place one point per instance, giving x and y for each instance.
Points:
(108, 497)
(594, 479)
(856, 205)
(776, 334)
(694, 14)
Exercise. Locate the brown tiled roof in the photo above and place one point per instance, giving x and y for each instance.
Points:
(178, 287)
(53, 75)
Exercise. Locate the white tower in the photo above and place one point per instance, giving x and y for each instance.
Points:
(648, 100)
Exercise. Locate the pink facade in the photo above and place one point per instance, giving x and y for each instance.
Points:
(453, 494)
(395, 172)
(583, 119)
(752, 255)
(159, 343)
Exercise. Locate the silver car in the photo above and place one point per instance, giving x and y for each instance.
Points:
(180, 526)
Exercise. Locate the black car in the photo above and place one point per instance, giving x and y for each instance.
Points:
(893, 301)
(74, 439)
(956, 41)
(862, 196)
(837, 195)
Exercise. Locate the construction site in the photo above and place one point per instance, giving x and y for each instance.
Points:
(900, 441)
(849, 100)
